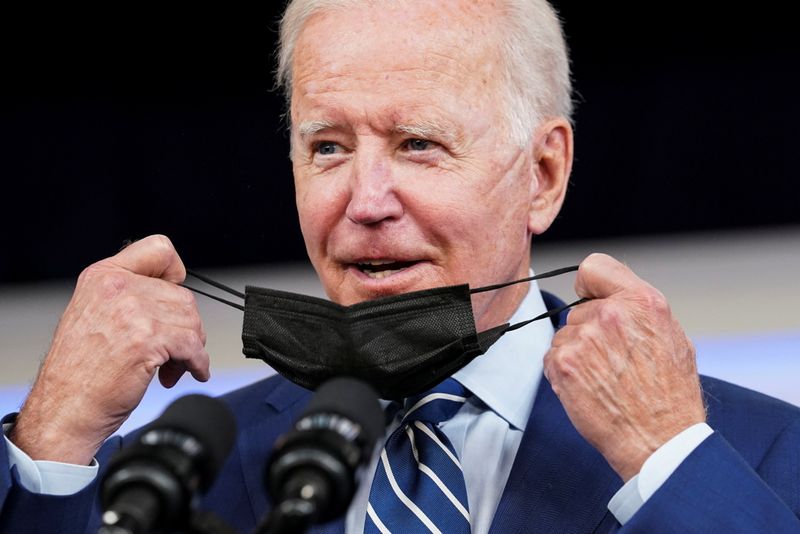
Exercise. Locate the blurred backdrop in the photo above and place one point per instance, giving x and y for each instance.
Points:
(126, 120)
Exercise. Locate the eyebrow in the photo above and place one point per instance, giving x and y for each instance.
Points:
(309, 128)
(426, 129)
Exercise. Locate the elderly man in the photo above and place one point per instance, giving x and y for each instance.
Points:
(430, 142)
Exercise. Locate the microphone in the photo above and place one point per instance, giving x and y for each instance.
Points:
(311, 474)
(149, 485)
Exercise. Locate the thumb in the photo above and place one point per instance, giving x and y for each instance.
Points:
(600, 276)
(153, 256)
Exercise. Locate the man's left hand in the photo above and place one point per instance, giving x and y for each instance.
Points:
(623, 367)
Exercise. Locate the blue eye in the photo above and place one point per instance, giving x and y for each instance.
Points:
(418, 144)
(326, 148)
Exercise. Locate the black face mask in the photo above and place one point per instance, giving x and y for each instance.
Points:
(401, 345)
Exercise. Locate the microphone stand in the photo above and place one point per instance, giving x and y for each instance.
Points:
(301, 501)
(202, 522)
(312, 472)
(292, 516)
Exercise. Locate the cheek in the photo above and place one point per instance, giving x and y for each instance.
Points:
(501, 229)
(309, 226)
(317, 214)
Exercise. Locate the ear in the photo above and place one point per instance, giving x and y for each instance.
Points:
(552, 147)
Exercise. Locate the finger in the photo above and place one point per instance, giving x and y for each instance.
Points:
(584, 312)
(600, 276)
(153, 256)
(185, 347)
(546, 363)
(173, 305)
(552, 366)
(563, 336)
(173, 370)
(170, 373)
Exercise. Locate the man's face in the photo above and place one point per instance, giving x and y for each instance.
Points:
(404, 174)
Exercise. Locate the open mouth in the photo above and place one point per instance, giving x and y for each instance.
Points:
(382, 268)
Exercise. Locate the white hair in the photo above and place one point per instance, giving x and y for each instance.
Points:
(536, 64)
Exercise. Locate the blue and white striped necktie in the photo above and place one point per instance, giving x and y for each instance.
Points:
(419, 484)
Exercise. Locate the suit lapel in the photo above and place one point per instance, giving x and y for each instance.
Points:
(283, 404)
(558, 483)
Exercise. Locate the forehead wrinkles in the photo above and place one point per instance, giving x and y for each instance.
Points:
(452, 42)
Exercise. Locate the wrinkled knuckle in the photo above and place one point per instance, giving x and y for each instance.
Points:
(572, 318)
(655, 301)
(565, 366)
(560, 336)
(610, 314)
(194, 341)
(98, 275)
(111, 283)
(561, 364)
(186, 297)
(88, 274)
(147, 330)
(138, 344)
(141, 335)
(129, 308)
(584, 336)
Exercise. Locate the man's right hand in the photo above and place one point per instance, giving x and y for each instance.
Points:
(127, 319)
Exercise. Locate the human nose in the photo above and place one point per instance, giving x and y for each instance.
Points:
(373, 197)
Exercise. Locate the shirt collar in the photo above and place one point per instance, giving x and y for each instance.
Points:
(507, 376)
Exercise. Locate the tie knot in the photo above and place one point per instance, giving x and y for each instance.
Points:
(438, 404)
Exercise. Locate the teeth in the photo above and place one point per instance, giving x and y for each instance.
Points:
(376, 262)
(381, 274)
(377, 269)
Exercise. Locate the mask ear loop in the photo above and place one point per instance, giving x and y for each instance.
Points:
(545, 315)
(218, 285)
(548, 274)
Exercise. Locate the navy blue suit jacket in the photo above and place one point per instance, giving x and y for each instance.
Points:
(743, 478)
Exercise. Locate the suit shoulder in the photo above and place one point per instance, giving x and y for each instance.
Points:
(721, 395)
(749, 420)
(256, 392)
(265, 397)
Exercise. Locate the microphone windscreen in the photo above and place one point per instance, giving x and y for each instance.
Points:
(206, 419)
(352, 399)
